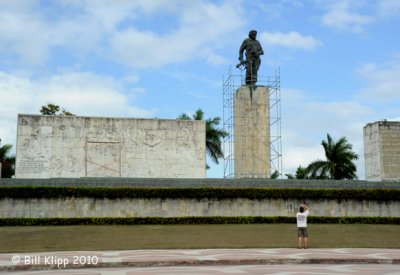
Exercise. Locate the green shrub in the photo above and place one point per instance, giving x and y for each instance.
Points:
(200, 193)
(193, 220)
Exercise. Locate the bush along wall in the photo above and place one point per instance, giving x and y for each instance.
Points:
(200, 193)
(193, 220)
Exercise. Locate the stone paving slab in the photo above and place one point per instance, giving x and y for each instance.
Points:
(310, 269)
(194, 257)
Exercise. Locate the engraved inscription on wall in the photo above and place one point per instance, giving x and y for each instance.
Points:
(33, 166)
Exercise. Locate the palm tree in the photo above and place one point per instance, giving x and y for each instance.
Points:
(214, 135)
(7, 161)
(301, 173)
(339, 161)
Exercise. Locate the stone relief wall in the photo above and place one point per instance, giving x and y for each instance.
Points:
(72, 146)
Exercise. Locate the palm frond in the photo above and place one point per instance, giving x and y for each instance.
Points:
(339, 160)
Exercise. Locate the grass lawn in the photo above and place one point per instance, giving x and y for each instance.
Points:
(126, 237)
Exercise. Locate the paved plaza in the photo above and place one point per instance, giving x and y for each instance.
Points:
(354, 269)
(206, 261)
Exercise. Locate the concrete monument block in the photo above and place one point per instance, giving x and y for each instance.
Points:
(382, 151)
(252, 132)
(72, 146)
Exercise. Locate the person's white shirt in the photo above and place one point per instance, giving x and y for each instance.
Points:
(302, 218)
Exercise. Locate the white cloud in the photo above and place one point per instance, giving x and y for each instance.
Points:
(148, 50)
(382, 81)
(275, 10)
(23, 33)
(81, 93)
(30, 31)
(77, 92)
(107, 28)
(388, 8)
(290, 40)
(216, 59)
(342, 109)
(202, 28)
(296, 156)
(340, 16)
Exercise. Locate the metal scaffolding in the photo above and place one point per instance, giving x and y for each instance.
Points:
(230, 85)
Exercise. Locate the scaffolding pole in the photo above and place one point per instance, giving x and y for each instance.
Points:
(230, 85)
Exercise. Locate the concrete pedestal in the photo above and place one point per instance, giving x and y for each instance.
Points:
(252, 132)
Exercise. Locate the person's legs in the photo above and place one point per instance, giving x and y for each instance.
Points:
(299, 242)
(302, 237)
(305, 242)
(299, 237)
(305, 237)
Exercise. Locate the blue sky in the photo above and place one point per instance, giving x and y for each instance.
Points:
(339, 62)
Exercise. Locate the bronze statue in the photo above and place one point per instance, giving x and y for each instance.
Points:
(252, 63)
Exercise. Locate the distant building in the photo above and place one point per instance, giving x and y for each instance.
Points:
(382, 151)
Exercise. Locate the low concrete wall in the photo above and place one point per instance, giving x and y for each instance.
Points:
(89, 207)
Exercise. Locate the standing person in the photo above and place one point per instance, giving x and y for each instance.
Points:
(253, 51)
(302, 233)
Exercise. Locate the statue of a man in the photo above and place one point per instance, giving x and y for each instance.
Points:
(253, 51)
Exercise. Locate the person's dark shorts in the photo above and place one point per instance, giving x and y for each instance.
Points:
(302, 232)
